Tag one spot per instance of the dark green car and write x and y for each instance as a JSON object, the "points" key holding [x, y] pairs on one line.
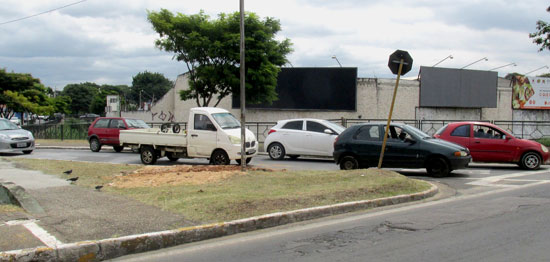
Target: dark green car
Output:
{"points": [[359, 146]]}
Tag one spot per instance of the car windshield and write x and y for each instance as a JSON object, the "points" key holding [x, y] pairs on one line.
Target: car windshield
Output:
{"points": [[417, 132], [226, 120], [7, 125], [136, 123], [441, 129], [336, 127]]}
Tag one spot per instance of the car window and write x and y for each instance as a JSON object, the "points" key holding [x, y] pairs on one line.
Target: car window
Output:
{"points": [[202, 122], [463, 131], [368, 132], [296, 125], [116, 123], [102, 123], [315, 127], [487, 132], [7, 125]]}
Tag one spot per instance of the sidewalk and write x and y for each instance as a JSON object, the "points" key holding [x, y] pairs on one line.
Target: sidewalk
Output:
{"points": [[74, 223]]}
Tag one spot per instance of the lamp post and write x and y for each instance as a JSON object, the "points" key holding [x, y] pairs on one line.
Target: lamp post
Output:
{"points": [[536, 69], [510, 64], [242, 87], [448, 57], [336, 58], [485, 58]]}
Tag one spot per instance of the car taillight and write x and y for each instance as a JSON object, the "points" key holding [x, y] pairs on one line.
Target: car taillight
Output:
{"points": [[271, 131]]}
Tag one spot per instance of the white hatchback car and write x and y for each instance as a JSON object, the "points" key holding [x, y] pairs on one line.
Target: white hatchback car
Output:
{"points": [[296, 137]]}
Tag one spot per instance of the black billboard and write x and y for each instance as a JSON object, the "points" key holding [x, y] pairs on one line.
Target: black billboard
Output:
{"points": [[313, 88]]}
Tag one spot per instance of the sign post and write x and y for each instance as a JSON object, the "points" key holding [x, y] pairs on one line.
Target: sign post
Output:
{"points": [[400, 63]]}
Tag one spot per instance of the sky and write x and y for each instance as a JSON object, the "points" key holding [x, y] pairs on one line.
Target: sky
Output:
{"points": [[109, 42]]}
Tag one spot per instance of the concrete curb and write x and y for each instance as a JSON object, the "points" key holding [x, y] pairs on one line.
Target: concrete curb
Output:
{"points": [[18, 196], [116, 247], [64, 147]]}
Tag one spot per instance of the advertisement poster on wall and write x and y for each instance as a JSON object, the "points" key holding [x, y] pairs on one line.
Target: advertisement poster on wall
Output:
{"points": [[531, 92]]}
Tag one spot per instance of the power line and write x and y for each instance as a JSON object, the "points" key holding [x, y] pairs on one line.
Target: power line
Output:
{"points": [[23, 18]]}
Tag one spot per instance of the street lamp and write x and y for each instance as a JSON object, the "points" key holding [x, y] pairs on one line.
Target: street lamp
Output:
{"points": [[510, 64], [448, 57], [336, 58], [536, 69], [485, 58]]}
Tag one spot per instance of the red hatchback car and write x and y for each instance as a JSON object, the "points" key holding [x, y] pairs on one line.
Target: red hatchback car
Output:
{"points": [[490, 143], [105, 131]]}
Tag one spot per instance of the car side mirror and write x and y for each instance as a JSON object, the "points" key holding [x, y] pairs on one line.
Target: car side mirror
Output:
{"points": [[328, 131]]}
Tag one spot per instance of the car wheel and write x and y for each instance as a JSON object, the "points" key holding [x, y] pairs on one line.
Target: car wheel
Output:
{"points": [[276, 151], [172, 157], [219, 157], [437, 167], [348, 163], [95, 146], [176, 128], [118, 148], [148, 155], [294, 157], [247, 160], [26, 152], [530, 161]]}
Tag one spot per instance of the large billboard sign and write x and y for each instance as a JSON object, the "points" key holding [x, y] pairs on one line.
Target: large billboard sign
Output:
{"points": [[531, 92]]}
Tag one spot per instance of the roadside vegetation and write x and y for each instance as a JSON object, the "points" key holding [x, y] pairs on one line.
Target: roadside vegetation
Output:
{"points": [[221, 193], [5, 208], [545, 141]]}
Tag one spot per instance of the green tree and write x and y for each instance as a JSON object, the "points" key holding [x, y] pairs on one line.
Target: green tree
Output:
{"points": [[542, 36], [149, 86], [81, 96], [211, 51], [22, 93]]}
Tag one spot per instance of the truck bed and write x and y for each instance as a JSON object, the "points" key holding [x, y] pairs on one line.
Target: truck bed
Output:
{"points": [[152, 136]]}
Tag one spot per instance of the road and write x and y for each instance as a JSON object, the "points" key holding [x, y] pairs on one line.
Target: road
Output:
{"points": [[509, 224]]}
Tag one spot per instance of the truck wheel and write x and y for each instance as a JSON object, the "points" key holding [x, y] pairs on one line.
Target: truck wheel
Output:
{"points": [[247, 160], [172, 157], [530, 161], [438, 167], [276, 151], [95, 146], [118, 148], [219, 157], [165, 127], [176, 128], [148, 155], [348, 163]]}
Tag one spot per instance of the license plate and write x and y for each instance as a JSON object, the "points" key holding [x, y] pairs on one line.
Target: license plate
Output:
{"points": [[21, 144]]}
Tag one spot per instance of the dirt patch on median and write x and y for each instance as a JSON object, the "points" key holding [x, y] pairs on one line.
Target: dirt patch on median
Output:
{"points": [[155, 176]]}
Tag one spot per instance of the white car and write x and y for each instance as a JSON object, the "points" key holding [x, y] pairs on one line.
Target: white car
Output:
{"points": [[296, 137], [14, 139]]}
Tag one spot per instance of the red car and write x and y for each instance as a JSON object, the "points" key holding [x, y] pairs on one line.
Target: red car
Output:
{"points": [[490, 143], [105, 131]]}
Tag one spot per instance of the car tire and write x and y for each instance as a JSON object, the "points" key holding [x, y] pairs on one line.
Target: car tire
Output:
{"points": [[293, 157], [171, 157], [26, 152], [348, 163], [437, 167], [247, 160], [219, 157], [530, 161], [118, 148], [176, 128], [276, 151], [148, 155], [95, 145]]}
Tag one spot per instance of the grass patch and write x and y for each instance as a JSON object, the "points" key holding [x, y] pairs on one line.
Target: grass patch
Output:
{"points": [[5, 208], [240, 195], [545, 141], [59, 142]]}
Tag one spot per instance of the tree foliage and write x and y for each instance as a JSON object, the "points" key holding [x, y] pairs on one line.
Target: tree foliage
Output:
{"points": [[211, 51], [149, 86], [91, 97], [542, 36], [23, 93]]}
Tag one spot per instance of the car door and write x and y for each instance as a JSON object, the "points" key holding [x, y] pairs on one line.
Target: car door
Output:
{"points": [[317, 142], [203, 136], [490, 145], [401, 149], [293, 137], [367, 143], [113, 131], [100, 129]]}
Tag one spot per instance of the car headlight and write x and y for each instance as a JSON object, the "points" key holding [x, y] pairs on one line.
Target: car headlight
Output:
{"points": [[460, 153], [544, 149], [235, 140], [30, 135], [2, 136]]}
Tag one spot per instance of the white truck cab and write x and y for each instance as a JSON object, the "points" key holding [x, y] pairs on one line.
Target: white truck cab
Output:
{"points": [[211, 133]]}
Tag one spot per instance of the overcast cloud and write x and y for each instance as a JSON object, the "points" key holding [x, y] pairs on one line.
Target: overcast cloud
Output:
{"points": [[108, 42]]}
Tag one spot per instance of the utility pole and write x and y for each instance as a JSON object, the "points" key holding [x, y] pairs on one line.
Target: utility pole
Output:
{"points": [[243, 121]]}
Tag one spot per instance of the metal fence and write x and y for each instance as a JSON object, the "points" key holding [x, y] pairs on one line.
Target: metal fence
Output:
{"points": [[522, 129]]}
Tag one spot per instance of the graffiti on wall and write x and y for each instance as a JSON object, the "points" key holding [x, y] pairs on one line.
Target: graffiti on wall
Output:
{"points": [[163, 116]]}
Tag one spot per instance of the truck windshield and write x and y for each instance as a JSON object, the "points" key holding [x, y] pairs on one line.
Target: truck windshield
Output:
{"points": [[226, 120]]}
